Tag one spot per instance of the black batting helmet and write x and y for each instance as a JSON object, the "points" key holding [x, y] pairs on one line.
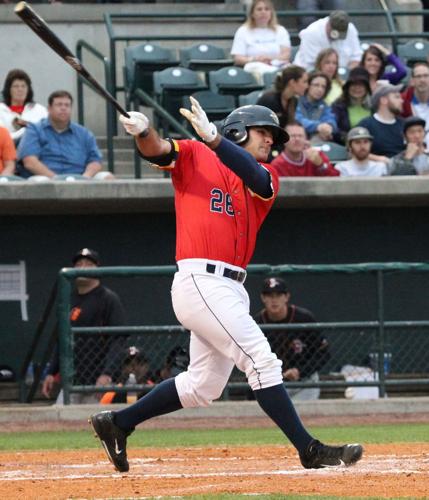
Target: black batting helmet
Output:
{"points": [[236, 124]]}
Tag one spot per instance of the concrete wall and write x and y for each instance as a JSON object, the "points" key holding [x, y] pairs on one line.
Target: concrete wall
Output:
{"points": [[132, 223]]}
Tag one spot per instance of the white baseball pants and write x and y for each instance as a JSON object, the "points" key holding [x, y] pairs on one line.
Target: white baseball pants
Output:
{"points": [[223, 334]]}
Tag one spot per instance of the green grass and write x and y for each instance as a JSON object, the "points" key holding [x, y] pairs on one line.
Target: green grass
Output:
{"points": [[60, 440]]}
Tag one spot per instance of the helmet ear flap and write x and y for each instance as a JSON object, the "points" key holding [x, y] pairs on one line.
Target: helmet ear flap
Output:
{"points": [[236, 132]]}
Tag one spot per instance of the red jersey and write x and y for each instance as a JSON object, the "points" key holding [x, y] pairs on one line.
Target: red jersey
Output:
{"points": [[305, 168], [217, 216]]}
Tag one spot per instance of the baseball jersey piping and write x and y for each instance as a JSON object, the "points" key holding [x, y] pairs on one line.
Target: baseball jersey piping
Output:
{"points": [[226, 331]]}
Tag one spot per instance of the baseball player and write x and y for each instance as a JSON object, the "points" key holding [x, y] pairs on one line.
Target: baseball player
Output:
{"points": [[223, 192]]}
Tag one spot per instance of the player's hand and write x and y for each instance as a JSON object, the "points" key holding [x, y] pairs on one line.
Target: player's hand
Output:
{"points": [[48, 384], [136, 124], [198, 118]]}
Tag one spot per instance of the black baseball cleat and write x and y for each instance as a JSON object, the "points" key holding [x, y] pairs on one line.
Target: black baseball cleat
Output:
{"points": [[113, 439], [320, 455]]}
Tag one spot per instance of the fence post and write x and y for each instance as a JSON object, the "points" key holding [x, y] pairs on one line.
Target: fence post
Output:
{"points": [[64, 335], [381, 332]]}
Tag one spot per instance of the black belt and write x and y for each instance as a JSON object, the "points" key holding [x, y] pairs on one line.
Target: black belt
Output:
{"points": [[239, 276]]}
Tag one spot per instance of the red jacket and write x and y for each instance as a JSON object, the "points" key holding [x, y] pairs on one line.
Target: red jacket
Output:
{"points": [[287, 168], [407, 96]]}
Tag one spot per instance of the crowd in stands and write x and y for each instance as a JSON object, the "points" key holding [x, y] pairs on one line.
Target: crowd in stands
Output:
{"points": [[331, 91], [42, 143]]}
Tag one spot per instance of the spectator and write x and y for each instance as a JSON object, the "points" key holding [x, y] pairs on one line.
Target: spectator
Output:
{"points": [[56, 145], [313, 112], [261, 45], [327, 62], [18, 108], [134, 364], [354, 105], [416, 96], [7, 153], [375, 59], [385, 125], [176, 362], [291, 83], [303, 352], [95, 356], [315, 5], [415, 159], [359, 142], [334, 31], [299, 160]]}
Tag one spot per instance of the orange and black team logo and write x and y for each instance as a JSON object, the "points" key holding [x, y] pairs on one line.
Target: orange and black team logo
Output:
{"points": [[75, 313]]}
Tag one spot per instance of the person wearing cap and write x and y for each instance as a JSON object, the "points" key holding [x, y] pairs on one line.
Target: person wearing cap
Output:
{"points": [[416, 96], [354, 105], [386, 124], [414, 160], [95, 356], [359, 142], [334, 31], [303, 352], [299, 159]]}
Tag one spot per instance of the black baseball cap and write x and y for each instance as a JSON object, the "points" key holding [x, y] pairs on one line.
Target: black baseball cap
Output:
{"points": [[274, 284], [413, 120], [87, 253]]}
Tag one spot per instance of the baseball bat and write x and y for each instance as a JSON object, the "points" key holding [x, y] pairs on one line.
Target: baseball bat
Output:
{"points": [[43, 31]]}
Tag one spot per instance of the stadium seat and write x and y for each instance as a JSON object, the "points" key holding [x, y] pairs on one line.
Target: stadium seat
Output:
{"points": [[343, 73], [10, 178], [217, 106], [232, 80], [251, 98], [204, 57], [140, 63], [171, 84], [268, 79], [335, 152], [413, 51]]}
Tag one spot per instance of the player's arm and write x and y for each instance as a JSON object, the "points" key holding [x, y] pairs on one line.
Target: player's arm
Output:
{"points": [[241, 162], [151, 146]]}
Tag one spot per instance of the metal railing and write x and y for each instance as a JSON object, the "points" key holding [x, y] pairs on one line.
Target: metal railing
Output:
{"points": [[66, 332], [110, 113]]}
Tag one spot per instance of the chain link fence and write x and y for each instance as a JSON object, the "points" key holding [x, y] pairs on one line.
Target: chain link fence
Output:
{"points": [[368, 357]]}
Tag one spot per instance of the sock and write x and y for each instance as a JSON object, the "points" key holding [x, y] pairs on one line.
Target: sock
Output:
{"points": [[160, 400], [276, 403]]}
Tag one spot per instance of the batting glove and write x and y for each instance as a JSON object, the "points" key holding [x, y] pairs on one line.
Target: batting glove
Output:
{"points": [[136, 124], [198, 118]]}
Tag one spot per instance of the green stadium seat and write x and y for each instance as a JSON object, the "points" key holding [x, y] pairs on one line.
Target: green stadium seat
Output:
{"points": [[413, 51], [268, 79], [141, 61], [232, 80], [251, 98], [335, 152], [217, 106], [204, 57], [171, 85]]}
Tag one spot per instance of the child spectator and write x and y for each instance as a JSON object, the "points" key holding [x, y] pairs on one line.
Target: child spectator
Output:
{"points": [[313, 112]]}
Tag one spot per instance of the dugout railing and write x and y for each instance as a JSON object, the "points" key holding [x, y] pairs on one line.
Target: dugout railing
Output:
{"points": [[378, 328]]}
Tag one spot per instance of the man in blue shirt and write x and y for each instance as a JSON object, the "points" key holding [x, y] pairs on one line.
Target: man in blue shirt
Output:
{"points": [[56, 145]]}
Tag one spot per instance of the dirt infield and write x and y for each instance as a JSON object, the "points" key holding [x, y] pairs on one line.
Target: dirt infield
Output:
{"points": [[400, 470]]}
